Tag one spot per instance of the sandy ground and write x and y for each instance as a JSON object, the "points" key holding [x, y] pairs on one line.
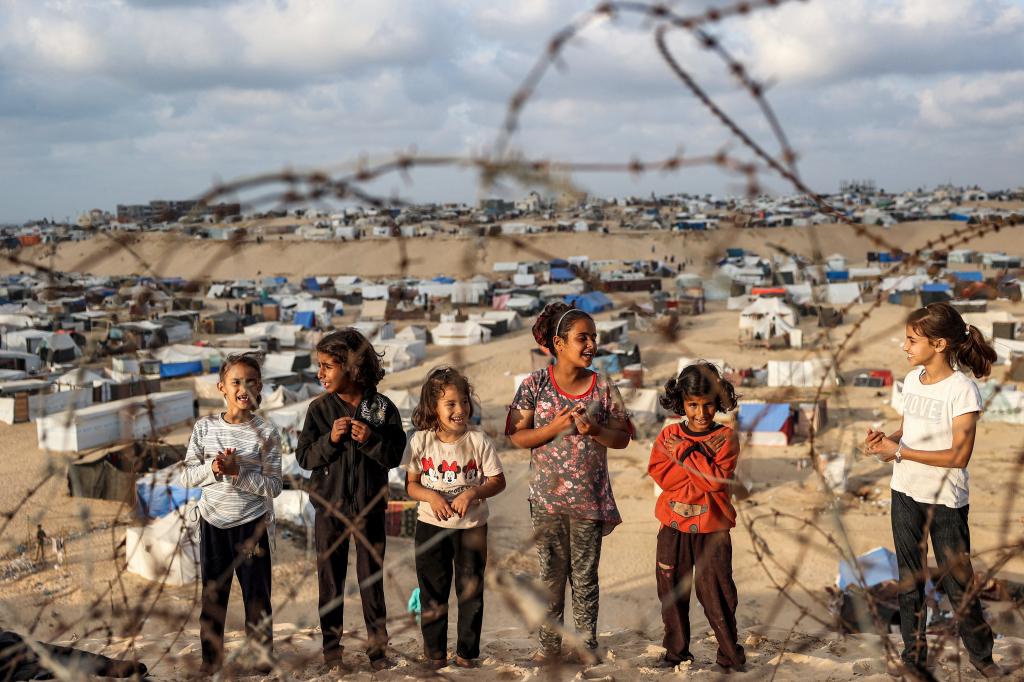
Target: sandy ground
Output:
{"points": [[782, 614]]}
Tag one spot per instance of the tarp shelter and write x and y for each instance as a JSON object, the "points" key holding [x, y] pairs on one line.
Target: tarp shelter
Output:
{"points": [[163, 551], [375, 311], [804, 373], [562, 275], [935, 292], [460, 334], [181, 360], [310, 284], [877, 566], [591, 302], [161, 492], [766, 423], [305, 319], [969, 276], [842, 293], [110, 473], [769, 318], [606, 364]]}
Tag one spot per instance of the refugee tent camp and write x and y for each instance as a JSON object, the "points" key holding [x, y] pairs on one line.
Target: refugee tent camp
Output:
{"points": [[163, 551], [460, 334], [769, 321]]}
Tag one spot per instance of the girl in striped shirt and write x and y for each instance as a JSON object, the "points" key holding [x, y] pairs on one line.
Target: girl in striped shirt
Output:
{"points": [[235, 457]]}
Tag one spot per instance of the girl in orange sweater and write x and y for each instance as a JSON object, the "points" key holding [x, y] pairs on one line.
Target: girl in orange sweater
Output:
{"points": [[693, 462]]}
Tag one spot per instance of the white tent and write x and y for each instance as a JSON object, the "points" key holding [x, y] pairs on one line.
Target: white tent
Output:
{"points": [[460, 334], [768, 318], [293, 507], [287, 335], [163, 551], [805, 373], [642, 405], [842, 293], [399, 355]]}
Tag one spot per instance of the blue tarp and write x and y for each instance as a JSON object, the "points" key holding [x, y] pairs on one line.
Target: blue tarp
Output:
{"points": [[558, 263], [160, 500], [606, 364], [969, 276], [962, 217], [734, 253], [169, 370], [442, 279], [769, 417], [310, 284], [877, 565], [561, 275], [837, 275], [935, 287], [305, 318], [886, 257], [591, 302]]}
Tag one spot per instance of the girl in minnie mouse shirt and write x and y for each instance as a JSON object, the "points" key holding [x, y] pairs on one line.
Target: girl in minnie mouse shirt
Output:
{"points": [[452, 469]]}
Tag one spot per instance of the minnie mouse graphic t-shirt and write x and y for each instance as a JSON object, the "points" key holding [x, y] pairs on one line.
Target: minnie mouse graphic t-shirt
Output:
{"points": [[450, 469]]}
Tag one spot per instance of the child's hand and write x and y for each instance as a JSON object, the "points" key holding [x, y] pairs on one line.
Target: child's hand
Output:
{"points": [[360, 431], [672, 441], [442, 510], [882, 448], [225, 463], [340, 427], [462, 503], [584, 426], [563, 420]]}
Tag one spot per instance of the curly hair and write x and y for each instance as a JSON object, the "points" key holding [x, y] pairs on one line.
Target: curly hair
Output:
{"points": [[965, 344], [699, 379], [352, 351], [555, 321], [424, 417]]}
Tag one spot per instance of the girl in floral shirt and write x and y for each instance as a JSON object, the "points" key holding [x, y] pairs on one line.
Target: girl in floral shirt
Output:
{"points": [[568, 416]]}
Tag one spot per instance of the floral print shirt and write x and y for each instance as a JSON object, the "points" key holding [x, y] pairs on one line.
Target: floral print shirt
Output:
{"points": [[569, 475]]}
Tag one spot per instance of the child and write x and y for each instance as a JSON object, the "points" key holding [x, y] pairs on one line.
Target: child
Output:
{"points": [[452, 470], [352, 436], [931, 449], [568, 416], [693, 463], [235, 457]]}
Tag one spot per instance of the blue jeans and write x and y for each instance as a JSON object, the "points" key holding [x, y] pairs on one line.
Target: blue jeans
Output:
{"points": [[951, 542]]}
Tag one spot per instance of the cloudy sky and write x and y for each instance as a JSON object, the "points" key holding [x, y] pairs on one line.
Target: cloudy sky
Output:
{"points": [[123, 101]]}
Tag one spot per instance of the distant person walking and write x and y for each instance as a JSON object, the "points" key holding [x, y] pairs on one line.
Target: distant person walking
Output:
{"points": [[930, 451], [40, 544]]}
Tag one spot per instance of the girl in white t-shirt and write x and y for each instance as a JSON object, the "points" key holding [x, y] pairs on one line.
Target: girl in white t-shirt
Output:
{"points": [[451, 469], [930, 451]]}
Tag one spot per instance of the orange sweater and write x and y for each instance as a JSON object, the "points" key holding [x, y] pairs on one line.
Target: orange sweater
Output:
{"points": [[696, 479]]}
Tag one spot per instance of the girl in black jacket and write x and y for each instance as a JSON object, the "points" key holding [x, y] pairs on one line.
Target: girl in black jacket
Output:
{"points": [[352, 436]]}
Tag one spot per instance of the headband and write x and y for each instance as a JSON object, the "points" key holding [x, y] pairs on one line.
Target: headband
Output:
{"points": [[558, 325]]}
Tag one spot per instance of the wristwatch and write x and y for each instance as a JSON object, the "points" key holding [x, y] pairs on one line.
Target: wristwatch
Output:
{"points": [[899, 449]]}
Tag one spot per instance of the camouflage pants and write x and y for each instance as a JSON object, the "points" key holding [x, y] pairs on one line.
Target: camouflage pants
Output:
{"points": [[569, 551]]}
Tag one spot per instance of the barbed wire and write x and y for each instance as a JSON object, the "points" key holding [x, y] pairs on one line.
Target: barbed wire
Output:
{"points": [[120, 612]]}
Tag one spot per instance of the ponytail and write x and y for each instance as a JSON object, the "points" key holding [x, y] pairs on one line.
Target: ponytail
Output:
{"points": [[975, 352]]}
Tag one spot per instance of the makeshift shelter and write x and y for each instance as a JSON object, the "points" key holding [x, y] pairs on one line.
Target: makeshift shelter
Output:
{"points": [[163, 551], [460, 334], [108, 423], [770, 322], [224, 322], [376, 311], [805, 373], [642, 406], [32, 399], [843, 293], [51, 347], [592, 302], [766, 423], [612, 331], [18, 361], [935, 292], [160, 492], [110, 473]]}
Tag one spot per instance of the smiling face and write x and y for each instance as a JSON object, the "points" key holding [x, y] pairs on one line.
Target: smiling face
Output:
{"points": [[578, 344], [453, 409], [241, 388], [700, 411], [332, 374], [919, 349]]}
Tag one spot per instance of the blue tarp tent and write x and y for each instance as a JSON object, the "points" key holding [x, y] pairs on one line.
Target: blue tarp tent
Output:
{"points": [[877, 565], [961, 217], [156, 500], [886, 257], [763, 416], [558, 263], [305, 318], [935, 287], [169, 370], [441, 279], [837, 275], [310, 284], [561, 275], [606, 364], [969, 276], [591, 302], [734, 253]]}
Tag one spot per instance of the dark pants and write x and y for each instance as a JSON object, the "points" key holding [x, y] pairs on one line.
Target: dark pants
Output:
{"points": [[441, 554], [332, 568], [703, 560], [951, 542], [569, 549], [243, 551]]}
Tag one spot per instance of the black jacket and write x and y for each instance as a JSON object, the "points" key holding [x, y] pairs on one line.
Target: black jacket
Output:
{"points": [[348, 476]]}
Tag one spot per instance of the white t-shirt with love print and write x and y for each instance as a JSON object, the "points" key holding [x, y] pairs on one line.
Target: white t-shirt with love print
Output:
{"points": [[451, 468], [928, 413]]}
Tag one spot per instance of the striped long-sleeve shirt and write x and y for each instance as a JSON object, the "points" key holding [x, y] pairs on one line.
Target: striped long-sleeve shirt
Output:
{"points": [[230, 501]]}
